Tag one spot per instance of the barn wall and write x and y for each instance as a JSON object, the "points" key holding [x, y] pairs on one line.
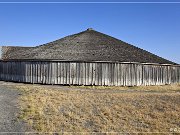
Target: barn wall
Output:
{"points": [[89, 73]]}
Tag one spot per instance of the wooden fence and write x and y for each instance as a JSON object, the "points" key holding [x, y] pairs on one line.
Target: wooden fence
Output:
{"points": [[89, 73]]}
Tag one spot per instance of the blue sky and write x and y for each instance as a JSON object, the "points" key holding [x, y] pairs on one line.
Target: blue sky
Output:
{"points": [[153, 27]]}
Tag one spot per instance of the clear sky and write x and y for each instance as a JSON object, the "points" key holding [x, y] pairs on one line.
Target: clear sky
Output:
{"points": [[152, 27]]}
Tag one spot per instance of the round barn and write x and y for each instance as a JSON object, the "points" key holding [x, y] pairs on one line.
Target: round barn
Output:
{"points": [[86, 58]]}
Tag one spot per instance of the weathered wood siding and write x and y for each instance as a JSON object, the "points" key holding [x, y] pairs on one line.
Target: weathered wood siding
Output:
{"points": [[89, 73]]}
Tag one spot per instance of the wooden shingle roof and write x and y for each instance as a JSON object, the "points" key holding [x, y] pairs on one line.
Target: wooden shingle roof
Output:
{"points": [[88, 45]]}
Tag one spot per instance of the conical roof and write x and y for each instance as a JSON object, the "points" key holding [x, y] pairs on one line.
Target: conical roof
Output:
{"points": [[88, 45]]}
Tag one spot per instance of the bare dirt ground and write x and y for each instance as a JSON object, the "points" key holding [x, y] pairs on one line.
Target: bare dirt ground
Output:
{"points": [[9, 124]]}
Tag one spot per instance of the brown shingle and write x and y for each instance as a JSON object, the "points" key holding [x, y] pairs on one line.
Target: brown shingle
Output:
{"points": [[88, 45]]}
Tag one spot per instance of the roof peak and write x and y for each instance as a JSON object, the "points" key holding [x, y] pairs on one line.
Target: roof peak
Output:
{"points": [[89, 29]]}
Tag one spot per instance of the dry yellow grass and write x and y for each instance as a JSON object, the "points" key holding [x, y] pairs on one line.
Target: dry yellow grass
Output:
{"points": [[163, 88], [57, 110]]}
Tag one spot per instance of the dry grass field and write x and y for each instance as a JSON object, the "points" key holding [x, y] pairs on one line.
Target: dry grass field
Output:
{"points": [[101, 109]]}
